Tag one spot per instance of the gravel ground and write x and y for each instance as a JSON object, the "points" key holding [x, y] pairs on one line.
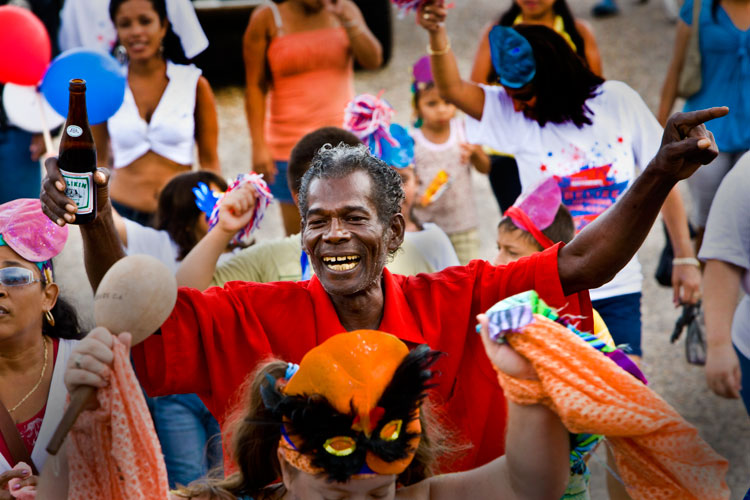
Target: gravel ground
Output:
{"points": [[636, 48]]}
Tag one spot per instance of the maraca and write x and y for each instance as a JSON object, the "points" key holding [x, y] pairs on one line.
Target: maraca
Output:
{"points": [[136, 295]]}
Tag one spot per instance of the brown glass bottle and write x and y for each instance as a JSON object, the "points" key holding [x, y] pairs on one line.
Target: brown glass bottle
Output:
{"points": [[77, 157]]}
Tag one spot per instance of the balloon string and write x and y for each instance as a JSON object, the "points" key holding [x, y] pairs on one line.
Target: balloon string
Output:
{"points": [[45, 129]]}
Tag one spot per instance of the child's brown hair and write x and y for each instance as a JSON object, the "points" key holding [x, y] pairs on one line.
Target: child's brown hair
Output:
{"points": [[562, 228]]}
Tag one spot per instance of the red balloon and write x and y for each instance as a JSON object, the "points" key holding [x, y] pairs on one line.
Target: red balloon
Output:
{"points": [[25, 49]]}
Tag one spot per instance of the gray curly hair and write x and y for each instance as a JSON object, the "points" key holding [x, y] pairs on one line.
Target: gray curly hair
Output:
{"points": [[335, 162]]}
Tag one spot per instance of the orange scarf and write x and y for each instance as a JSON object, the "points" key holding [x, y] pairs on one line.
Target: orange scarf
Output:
{"points": [[114, 451], [658, 454]]}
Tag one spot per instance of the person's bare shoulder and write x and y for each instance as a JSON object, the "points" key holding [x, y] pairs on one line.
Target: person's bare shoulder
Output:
{"points": [[262, 22], [584, 28]]}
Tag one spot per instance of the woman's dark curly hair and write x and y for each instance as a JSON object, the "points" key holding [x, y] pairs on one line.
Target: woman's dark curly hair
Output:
{"points": [[563, 82], [67, 324], [172, 46], [177, 213], [339, 161]]}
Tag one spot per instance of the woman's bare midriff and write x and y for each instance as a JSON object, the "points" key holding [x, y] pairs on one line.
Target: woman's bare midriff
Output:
{"points": [[138, 185]]}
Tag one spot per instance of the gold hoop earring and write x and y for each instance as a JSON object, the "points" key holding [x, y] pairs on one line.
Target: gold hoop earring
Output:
{"points": [[50, 319]]}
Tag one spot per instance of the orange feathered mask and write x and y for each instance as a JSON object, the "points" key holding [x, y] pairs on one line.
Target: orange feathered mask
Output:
{"points": [[352, 408]]}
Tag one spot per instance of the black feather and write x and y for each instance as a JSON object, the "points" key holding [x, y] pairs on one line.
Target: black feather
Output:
{"points": [[401, 399]]}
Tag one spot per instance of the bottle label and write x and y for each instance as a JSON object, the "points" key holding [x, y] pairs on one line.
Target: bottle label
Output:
{"points": [[79, 187], [74, 130]]}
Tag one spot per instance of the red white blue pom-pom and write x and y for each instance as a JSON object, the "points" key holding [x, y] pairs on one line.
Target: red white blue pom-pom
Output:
{"points": [[243, 237], [369, 118]]}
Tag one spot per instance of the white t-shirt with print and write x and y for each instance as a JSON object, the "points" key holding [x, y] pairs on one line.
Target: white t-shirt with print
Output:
{"points": [[594, 164]]}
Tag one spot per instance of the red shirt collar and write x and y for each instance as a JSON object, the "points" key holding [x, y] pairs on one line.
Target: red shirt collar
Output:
{"points": [[397, 317]]}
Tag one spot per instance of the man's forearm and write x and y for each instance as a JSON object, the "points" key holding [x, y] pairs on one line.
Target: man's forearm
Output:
{"points": [[101, 247], [606, 245], [537, 452], [198, 267]]}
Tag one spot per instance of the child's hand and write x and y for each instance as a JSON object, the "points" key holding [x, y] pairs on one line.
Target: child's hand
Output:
{"points": [[237, 208], [474, 154], [503, 356], [467, 151], [340, 9]]}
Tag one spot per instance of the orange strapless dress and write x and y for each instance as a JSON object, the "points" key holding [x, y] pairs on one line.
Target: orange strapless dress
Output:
{"points": [[312, 81]]}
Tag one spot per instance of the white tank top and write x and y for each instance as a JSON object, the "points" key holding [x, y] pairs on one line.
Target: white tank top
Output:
{"points": [[171, 131]]}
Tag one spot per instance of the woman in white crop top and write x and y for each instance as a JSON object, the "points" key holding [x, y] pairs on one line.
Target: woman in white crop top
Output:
{"points": [[168, 108]]}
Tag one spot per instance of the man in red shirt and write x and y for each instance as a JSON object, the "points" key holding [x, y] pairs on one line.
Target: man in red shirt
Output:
{"points": [[349, 202]]}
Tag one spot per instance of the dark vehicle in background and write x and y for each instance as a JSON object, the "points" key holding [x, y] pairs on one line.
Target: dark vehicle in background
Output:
{"points": [[224, 22]]}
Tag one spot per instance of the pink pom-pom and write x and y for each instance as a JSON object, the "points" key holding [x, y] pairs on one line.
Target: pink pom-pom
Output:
{"points": [[369, 118], [405, 6]]}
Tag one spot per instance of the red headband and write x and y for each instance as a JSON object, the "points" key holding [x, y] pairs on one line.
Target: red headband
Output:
{"points": [[524, 222]]}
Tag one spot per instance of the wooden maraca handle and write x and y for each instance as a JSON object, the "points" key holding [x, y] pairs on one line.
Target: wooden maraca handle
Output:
{"points": [[136, 295], [78, 401]]}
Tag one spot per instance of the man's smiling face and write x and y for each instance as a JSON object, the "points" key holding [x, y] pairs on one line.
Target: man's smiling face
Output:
{"points": [[347, 242]]}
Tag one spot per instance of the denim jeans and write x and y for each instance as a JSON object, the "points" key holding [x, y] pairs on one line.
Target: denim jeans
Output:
{"points": [[189, 435], [20, 177]]}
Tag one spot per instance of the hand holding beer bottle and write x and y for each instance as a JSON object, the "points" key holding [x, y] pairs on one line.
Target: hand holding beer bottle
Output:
{"points": [[74, 191], [77, 160]]}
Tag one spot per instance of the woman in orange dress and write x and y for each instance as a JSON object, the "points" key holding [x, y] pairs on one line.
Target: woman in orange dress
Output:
{"points": [[299, 71]]}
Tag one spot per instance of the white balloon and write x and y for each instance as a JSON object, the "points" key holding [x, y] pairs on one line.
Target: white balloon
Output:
{"points": [[22, 108]]}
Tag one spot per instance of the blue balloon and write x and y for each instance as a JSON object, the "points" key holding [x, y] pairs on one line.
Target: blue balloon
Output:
{"points": [[105, 82]]}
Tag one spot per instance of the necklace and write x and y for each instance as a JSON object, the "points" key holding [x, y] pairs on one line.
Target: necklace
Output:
{"points": [[38, 382]]}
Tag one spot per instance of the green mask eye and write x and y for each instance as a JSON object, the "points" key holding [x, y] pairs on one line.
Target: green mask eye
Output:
{"points": [[391, 431], [340, 446]]}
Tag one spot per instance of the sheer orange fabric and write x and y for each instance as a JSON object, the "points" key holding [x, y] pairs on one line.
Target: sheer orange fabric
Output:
{"points": [[114, 451], [658, 454]]}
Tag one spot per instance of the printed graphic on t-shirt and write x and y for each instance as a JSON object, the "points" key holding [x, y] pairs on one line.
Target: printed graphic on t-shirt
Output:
{"points": [[589, 192]]}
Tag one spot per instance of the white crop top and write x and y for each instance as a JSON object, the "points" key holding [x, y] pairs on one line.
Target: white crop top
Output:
{"points": [[171, 131]]}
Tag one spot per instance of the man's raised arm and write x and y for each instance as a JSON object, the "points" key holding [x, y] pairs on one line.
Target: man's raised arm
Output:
{"points": [[101, 244], [606, 245]]}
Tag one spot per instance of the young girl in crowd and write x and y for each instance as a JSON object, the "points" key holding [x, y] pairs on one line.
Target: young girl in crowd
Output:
{"points": [[168, 108], [441, 154], [426, 248], [554, 14], [361, 430]]}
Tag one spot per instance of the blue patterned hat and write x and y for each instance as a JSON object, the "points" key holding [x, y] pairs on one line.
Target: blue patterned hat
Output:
{"points": [[512, 57]]}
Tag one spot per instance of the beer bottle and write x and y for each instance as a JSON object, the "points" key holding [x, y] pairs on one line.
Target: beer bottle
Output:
{"points": [[77, 157]]}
